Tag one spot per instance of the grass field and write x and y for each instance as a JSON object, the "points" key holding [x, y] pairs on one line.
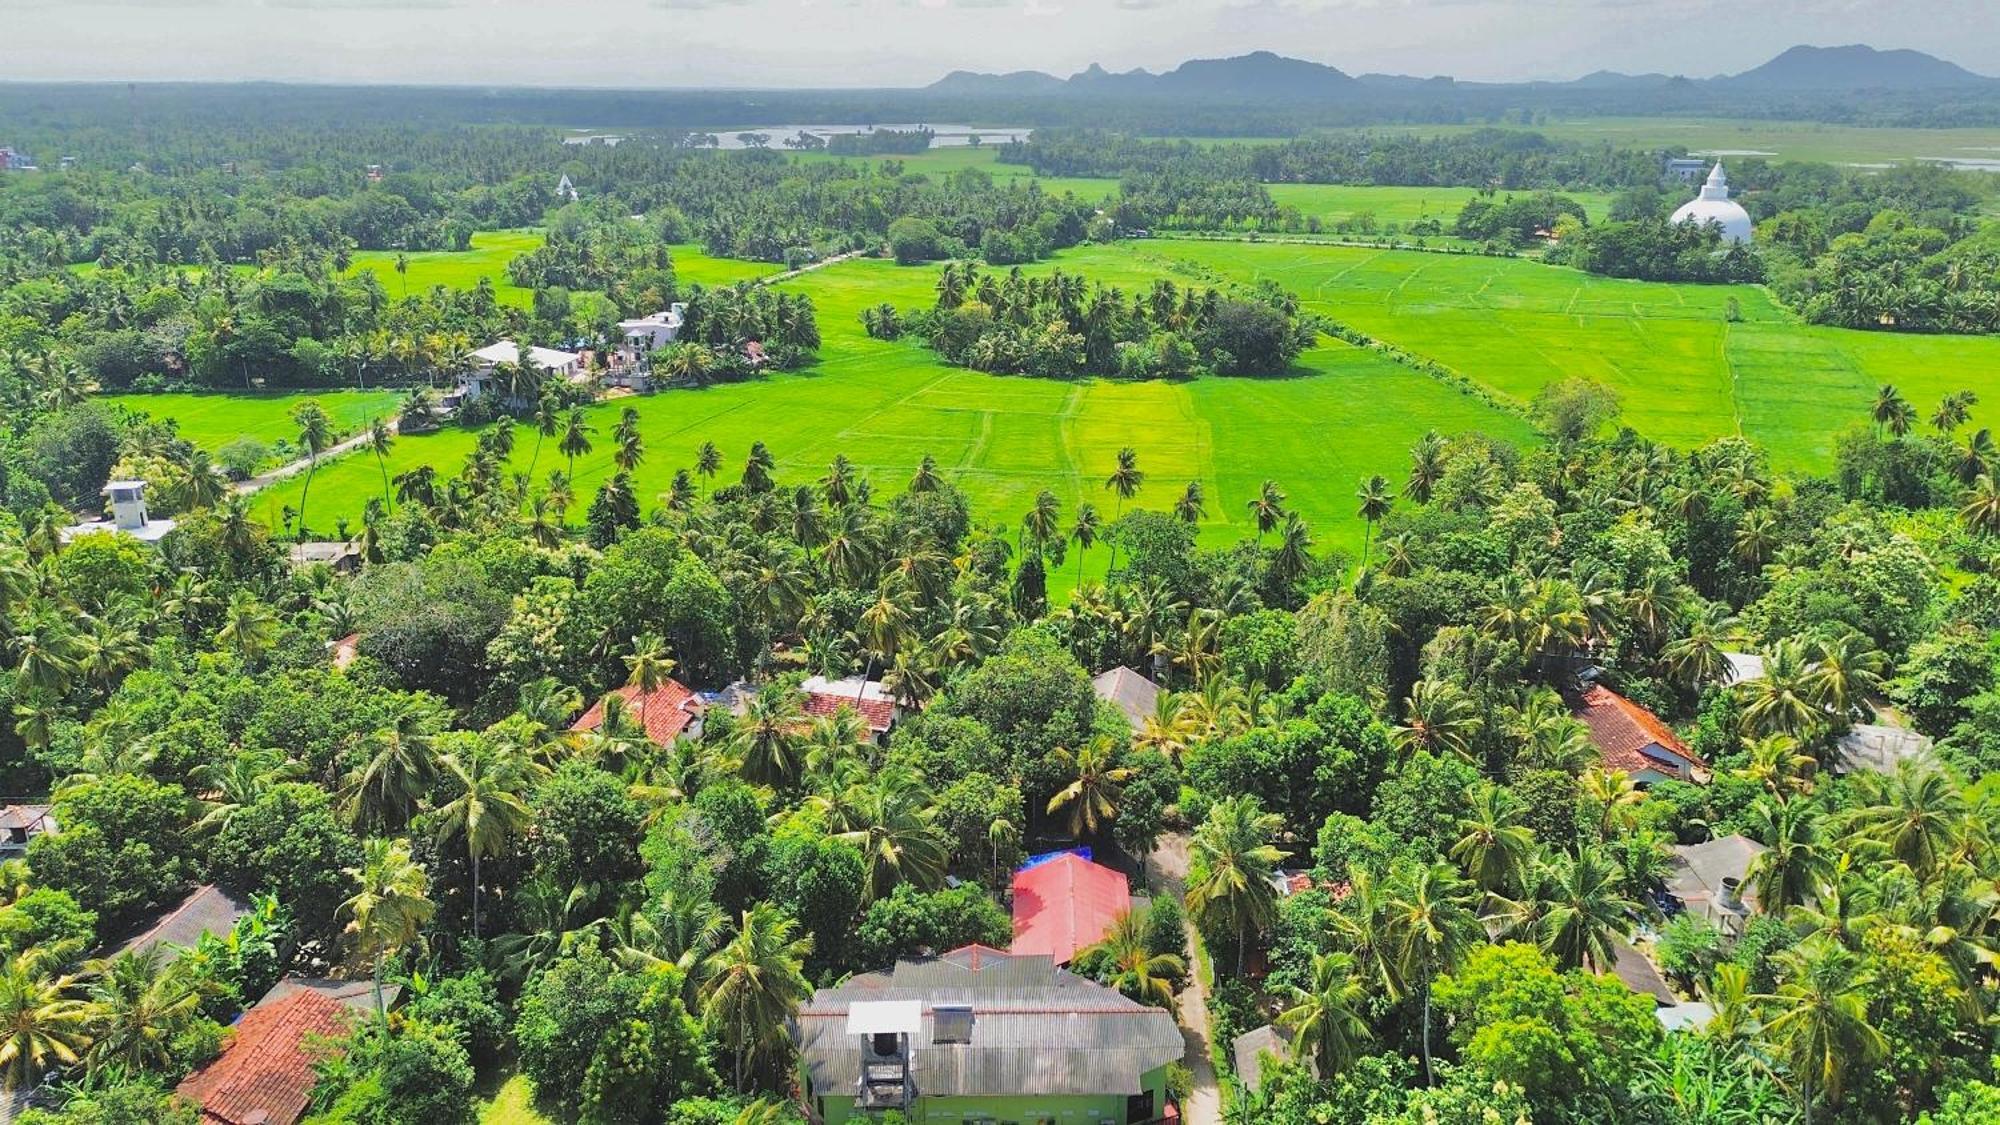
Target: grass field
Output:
{"points": [[214, 420], [1685, 373], [1405, 205], [1344, 414]]}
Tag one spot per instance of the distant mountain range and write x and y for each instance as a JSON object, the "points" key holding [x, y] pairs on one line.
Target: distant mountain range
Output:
{"points": [[1267, 77]]}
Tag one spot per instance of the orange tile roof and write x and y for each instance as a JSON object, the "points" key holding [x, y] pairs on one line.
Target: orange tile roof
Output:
{"points": [[879, 714], [266, 1073], [669, 710], [1622, 730]]}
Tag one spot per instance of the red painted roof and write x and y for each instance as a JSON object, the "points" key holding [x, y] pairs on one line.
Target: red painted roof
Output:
{"points": [[268, 1066], [1622, 730], [668, 710], [1065, 905], [879, 714]]}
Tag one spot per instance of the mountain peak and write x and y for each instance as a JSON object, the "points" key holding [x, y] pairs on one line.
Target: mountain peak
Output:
{"points": [[1856, 66]]}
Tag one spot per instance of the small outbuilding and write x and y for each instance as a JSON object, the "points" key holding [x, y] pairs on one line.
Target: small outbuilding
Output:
{"points": [[1876, 747], [1710, 879]]}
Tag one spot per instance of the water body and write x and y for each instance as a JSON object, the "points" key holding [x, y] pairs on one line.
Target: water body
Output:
{"points": [[946, 136]]}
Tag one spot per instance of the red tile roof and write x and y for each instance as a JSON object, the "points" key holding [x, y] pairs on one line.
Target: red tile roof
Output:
{"points": [[879, 714], [669, 710], [1622, 730], [266, 1073], [1065, 905]]}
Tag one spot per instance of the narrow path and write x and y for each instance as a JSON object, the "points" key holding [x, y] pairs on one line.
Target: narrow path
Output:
{"points": [[294, 468], [811, 266], [1167, 869]]}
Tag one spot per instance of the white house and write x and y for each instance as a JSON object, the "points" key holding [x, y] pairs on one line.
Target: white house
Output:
{"points": [[485, 373], [639, 338], [128, 515]]}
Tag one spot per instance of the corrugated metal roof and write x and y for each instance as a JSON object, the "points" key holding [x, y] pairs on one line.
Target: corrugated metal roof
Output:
{"points": [[1036, 1029]]}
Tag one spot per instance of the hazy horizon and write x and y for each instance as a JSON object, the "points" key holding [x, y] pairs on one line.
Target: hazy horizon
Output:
{"points": [[831, 44]]}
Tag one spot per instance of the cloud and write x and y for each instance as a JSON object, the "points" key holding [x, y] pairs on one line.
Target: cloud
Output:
{"points": [[1142, 5]]}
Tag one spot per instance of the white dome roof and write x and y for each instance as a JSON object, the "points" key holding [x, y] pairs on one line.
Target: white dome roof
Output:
{"points": [[1713, 205]]}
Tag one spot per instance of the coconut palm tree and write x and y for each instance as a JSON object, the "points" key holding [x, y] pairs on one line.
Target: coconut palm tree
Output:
{"points": [[1439, 717], [892, 821], [648, 669], [1583, 909], [1042, 520], [1428, 927], [1083, 532], [489, 811], [1426, 467], [631, 445], [575, 439], [1124, 482], [755, 984], [1192, 506], [249, 627], [400, 762], [1134, 969], [42, 1025], [769, 740], [1796, 865], [139, 1003], [547, 421], [381, 435], [1981, 511], [1892, 411], [1325, 1016], [1783, 699], [1092, 798], [1267, 508], [1614, 795], [1376, 500], [1917, 815], [315, 434], [391, 903], [1844, 670], [1816, 1022], [1696, 656], [1231, 858], [708, 461], [1292, 556], [1494, 848]]}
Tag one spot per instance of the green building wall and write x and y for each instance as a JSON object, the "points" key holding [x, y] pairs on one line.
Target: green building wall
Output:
{"points": [[1010, 1109]]}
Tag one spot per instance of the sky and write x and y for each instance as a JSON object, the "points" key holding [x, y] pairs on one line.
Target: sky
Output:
{"points": [[863, 43]]}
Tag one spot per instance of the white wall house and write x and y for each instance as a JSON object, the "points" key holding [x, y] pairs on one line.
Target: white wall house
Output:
{"points": [[127, 502], [639, 338], [486, 371]]}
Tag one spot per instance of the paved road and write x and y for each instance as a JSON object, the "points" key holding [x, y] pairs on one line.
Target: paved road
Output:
{"points": [[1168, 866], [265, 479]]}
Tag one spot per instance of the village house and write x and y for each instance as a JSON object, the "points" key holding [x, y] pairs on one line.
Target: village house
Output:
{"points": [[667, 712], [868, 699], [487, 369], [265, 1075], [1065, 905], [207, 909], [631, 362], [20, 824], [1630, 738], [1710, 879], [1877, 747], [1133, 694], [979, 1035]]}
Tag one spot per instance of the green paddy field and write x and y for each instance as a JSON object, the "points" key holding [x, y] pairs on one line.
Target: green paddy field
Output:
{"points": [[1686, 373]]}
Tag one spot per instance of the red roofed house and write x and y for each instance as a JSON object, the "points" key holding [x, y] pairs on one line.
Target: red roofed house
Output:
{"points": [[1628, 737], [1066, 905], [671, 710], [265, 1075], [868, 699]]}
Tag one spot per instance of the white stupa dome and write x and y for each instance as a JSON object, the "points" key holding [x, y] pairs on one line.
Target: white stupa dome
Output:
{"points": [[1713, 205]]}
